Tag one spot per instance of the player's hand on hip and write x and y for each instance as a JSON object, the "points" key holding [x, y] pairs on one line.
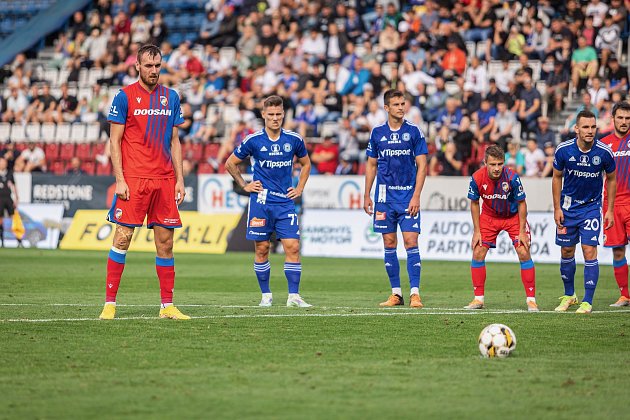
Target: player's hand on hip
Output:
{"points": [[254, 186], [476, 240], [122, 190], [414, 207], [294, 193], [180, 192], [558, 217], [368, 205], [609, 220]]}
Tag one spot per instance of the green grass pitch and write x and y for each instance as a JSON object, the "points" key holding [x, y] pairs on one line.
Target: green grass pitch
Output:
{"points": [[343, 358]]}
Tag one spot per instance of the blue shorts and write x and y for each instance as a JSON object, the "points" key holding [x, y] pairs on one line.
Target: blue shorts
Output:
{"points": [[585, 229], [264, 219], [387, 217]]}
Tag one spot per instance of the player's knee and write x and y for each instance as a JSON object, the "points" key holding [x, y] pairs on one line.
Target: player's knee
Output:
{"points": [[567, 252], [619, 253], [411, 243]]}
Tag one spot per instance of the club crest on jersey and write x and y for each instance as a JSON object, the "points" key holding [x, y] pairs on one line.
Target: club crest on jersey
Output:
{"points": [[118, 214], [406, 137], [275, 150], [505, 186], [627, 144], [163, 100], [596, 160], [287, 147]]}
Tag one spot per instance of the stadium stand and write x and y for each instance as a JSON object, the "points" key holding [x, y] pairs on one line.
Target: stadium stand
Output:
{"points": [[330, 61]]}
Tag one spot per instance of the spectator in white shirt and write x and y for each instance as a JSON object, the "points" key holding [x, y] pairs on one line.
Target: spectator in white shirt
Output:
{"points": [[33, 158], [599, 94], [534, 157], [16, 106], [598, 10], [477, 76], [607, 40], [504, 77], [314, 46]]}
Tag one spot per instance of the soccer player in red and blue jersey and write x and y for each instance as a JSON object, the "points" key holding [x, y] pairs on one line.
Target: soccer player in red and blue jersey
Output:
{"points": [[617, 236], [504, 208], [147, 163]]}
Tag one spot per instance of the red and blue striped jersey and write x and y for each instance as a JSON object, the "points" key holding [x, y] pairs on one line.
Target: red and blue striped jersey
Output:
{"points": [[621, 152], [501, 196], [149, 118]]}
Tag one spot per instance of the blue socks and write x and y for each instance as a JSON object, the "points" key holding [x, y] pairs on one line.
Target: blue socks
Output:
{"points": [[293, 271], [263, 271], [414, 266], [567, 271], [591, 275], [392, 267]]}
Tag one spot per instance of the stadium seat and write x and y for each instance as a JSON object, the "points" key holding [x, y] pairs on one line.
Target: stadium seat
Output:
{"points": [[33, 131], [84, 151], [48, 132], [88, 166], [99, 148], [195, 152], [77, 132], [63, 132], [104, 169], [5, 131], [93, 132], [18, 132], [57, 167], [205, 168], [66, 151], [51, 150], [211, 150]]}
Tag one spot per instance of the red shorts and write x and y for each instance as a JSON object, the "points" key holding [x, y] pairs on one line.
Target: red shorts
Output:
{"points": [[617, 236], [150, 198], [491, 227]]}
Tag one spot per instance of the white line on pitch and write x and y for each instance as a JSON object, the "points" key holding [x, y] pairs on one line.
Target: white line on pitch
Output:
{"points": [[302, 315]]}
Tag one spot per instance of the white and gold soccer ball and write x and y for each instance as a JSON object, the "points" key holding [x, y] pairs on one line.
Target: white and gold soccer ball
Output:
{"points": [[497, 340]]}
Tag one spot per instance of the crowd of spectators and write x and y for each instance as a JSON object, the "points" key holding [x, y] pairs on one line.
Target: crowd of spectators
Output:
{"points": [[331, 63]]}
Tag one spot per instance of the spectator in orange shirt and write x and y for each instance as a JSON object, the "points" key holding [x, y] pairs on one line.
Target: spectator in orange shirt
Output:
{"points": [[454, 61]]}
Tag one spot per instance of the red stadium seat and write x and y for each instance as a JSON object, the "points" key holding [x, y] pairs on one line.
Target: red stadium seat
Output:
{"points": [[99, 148], [211, 150], [205, 168], [52, 151], [84, 151], [88, 167], [104, 169], [67, 151], [58, 167], [195, 152]]}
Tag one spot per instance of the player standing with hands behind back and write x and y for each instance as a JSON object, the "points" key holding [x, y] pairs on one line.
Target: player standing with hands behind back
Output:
{"points": [[147, 163], [271, 197], [617, 236], [578, 167], [397, 159]]}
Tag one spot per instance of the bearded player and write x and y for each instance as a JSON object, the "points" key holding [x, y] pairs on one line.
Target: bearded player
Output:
{"points": [[503, 208], [147, 163], [617, 236]]}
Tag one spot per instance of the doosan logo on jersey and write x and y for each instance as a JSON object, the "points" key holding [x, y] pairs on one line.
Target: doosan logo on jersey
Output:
{"points": [[395, 152], [152, 112], [622, 153], [272, 164], [494, 196]]}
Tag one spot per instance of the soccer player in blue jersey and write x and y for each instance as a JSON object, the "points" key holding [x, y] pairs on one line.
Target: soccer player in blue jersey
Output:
{"points": [[397, 159], [271, 197], [578, 168]]}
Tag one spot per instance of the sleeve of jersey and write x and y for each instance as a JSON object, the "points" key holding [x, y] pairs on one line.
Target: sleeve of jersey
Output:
{"points": [[300, 149], [118, 110], [243, 151], [177, 110], [517, 187], [420, 148], [609, 163], [371, 147], [473, 190], [558, 161]]}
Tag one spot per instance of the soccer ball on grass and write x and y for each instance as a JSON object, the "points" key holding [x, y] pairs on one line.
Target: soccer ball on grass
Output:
{"points": [[497, 340]]}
